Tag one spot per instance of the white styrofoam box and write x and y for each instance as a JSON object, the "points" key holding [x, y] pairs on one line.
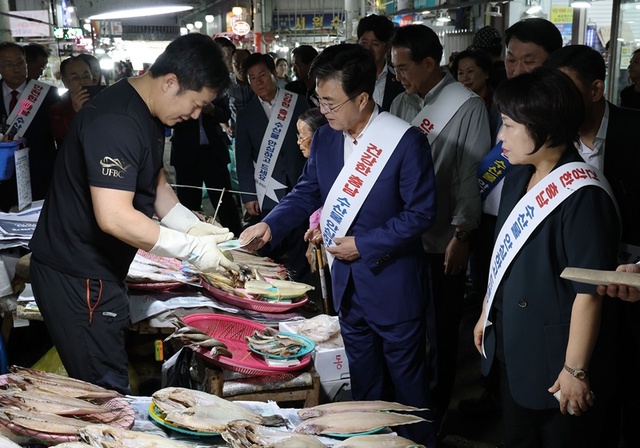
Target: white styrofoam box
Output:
{"points": [[335, 390], [331, 364]]}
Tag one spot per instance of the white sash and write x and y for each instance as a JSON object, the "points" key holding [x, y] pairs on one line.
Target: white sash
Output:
{"points": [[358, 176], [272, 143], [433, 118], [27, 107], [529, 213]]}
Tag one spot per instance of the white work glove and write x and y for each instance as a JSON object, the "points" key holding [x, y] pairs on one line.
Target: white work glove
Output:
{"points": [[200, 251], [184, 220]]}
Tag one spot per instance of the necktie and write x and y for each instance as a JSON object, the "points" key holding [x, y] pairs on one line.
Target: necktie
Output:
{"points": [[13, 101]]}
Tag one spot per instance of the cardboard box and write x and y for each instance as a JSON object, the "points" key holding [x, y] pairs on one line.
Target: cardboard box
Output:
{"points": [[331, 364]]}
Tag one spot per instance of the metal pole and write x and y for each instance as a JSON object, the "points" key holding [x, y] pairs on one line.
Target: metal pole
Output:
{"points": [[5, 27]]}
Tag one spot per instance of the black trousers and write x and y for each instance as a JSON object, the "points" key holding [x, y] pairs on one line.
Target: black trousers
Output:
{"points": [[447, 293], [205, 167], [87, 320], [549, 428]]}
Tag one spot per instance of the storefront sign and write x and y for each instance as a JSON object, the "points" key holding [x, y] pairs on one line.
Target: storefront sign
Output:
{"points": [[28, 28], [307, 21], [241, 28]]}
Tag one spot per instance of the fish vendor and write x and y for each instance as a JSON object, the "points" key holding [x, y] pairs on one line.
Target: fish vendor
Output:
{"points": [[373, 175], [108, 182]]}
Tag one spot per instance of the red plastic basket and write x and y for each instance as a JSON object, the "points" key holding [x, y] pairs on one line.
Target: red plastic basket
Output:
{"points": [[251, 304], [232, 331]]}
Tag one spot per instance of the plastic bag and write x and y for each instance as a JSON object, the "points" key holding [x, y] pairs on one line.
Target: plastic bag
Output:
{"points": [[320, 328], [183, 369]]}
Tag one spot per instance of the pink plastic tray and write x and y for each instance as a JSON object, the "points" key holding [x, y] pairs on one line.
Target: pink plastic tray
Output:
{"points": [[232, 331], [250, 304], [154, 286]]}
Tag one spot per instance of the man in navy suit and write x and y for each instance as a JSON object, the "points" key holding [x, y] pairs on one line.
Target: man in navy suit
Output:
{"points": [[255, 126], [374, 174], [42, 154]]}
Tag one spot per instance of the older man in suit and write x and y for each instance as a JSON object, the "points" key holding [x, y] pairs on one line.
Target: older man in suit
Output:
{"points": [[268, 159], [374, 174], [13, 69]]}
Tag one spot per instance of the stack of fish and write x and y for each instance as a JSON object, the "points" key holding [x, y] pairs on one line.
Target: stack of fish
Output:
{"points": [[37, 403], [353, 417], [195, 337], [199, 411], [243, 434], [146, 269], [271, 343]]}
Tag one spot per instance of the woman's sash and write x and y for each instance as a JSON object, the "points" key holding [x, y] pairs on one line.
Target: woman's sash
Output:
{"points": [[271, 145], [532, 209], [358, 176]]}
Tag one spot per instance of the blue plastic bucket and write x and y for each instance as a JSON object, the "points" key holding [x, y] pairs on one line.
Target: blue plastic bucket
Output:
{"points": [[7, 159]]}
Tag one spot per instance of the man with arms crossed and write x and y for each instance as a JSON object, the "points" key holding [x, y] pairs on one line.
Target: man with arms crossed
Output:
{"points": [[374, 175]]}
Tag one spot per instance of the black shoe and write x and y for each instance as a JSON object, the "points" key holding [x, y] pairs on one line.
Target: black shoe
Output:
{"points": [[488, 402]]}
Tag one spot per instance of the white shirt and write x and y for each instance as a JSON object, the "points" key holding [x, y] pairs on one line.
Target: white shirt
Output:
{"points": [[6, 94], [595, 156], [349, 143], [381, 82], [268, 107]]}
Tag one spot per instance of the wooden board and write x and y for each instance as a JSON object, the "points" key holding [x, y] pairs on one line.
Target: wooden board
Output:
{"points": [[596, 277]]}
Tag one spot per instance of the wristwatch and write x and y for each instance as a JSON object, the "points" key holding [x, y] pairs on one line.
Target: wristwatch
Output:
{"points": [[462, 235], [576, 373]]}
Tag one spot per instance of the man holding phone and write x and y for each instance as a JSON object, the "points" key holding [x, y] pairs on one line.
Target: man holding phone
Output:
{"points": [[76, 77]]}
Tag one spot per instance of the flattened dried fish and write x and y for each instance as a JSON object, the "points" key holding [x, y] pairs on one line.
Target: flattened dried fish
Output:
{"points": [[171, 398], [385, 440], [42, 422], [354, 422], [242, 434], [215, 419], [38, 377], [358, 406], [51, 403], [103, 436]]}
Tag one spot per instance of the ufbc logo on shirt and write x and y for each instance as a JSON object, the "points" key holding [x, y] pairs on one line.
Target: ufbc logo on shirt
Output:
{"points": [[113, 167]]}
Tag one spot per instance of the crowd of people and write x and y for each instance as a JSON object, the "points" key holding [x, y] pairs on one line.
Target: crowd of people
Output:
{"points": [[412, 175]]}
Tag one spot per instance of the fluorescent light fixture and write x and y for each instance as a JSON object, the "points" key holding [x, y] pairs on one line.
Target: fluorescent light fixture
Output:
{"points": [[189, 26], [183, 30], [535, 9], [581, 4], [443, 16], [197, 24], [140, 12], [493, 10], [208, 18]]}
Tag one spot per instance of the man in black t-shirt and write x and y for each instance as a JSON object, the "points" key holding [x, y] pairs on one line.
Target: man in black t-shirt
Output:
{"points": [[107, 184]]}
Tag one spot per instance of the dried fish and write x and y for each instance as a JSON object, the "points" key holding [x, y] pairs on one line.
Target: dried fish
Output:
{"points": [[43, 422], [354, 422], [386, 440], [104, 436], [359, 406], [72, 445], [242, 434], [39, 401], [270, 342], [65, 384]]}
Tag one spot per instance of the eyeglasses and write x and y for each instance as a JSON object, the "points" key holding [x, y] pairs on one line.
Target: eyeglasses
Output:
{"points": [[330, 109], [13, 65], [76, 78], [402, 71]]}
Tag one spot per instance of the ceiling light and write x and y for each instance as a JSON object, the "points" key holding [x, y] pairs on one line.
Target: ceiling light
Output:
{"points": [[197, 24], [581, 4], [236, 10], [189, 26], [443, 16], [208, 18], [535, 9], [140, 12], [493, 10]]}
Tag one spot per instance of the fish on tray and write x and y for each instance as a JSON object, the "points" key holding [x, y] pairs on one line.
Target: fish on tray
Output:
{"points": [[43, 422], [243, 434], [354, 422], [100, 436], [359, 406], [40, 401], [385, 440]]}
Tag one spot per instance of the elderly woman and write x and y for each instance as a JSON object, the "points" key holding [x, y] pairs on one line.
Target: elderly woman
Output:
{"points": [[548, 335], [307, 124]]}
